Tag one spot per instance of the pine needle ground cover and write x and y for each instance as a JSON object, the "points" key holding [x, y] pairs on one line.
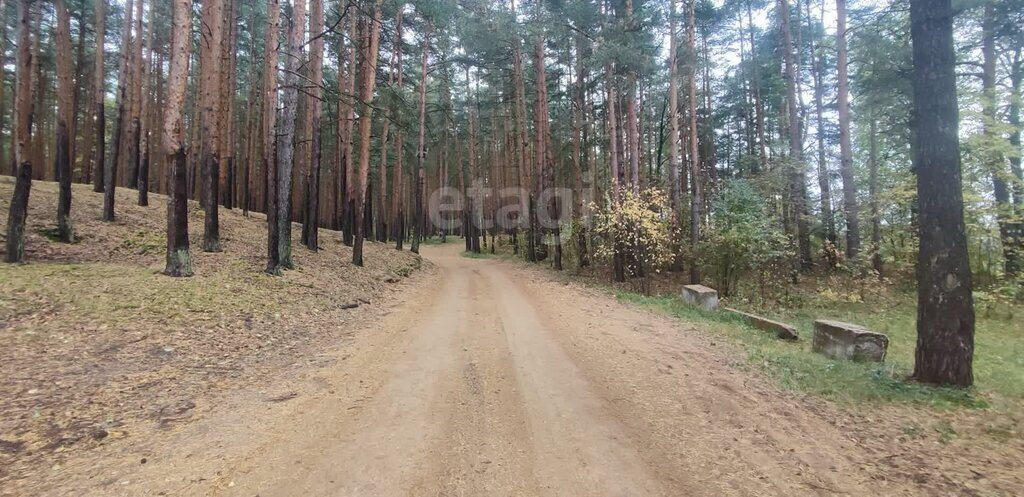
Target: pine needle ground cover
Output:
{"points": [[96, 344]]}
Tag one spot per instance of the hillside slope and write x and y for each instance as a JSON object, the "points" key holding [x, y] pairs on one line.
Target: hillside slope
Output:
{"points": [[97, 345]]}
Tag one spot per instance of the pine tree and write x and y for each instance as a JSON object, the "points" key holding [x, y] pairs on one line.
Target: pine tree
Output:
{"points": [[99, 108], [421, 149], [22, 134], [692, 133], [311, 220], [65, 118], [209, 89], [945, 305], [270, 142], [179, 263], [845, 147], [370, 51]]}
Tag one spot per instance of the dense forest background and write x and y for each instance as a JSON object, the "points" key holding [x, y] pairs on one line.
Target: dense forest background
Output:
{"points": [[739, 143]]}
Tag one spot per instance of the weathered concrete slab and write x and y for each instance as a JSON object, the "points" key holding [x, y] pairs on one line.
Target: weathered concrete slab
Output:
{"points": [[701, 296], [780, 329], [847, 341]]}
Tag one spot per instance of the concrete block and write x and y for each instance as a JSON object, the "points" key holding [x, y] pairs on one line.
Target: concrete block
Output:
{"points": [[847, 341]]}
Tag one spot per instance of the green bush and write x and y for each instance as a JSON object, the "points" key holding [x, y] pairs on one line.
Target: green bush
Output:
{"points": [[742, 239]]}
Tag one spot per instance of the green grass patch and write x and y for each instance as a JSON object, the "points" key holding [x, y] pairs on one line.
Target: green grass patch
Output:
{"points": [[52, 234], [795, 367], [144, 242], [482, 255], [998, 340], [115, 294]]}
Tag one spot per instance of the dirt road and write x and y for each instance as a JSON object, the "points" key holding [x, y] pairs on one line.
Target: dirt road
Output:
{"points": [[496, 381]]}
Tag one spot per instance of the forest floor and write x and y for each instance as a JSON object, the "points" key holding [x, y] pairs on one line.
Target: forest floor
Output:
{"points": [[98, 349], [475, 376]]}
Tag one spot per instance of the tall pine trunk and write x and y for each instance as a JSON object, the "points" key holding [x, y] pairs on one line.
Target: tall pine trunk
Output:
{"points": [[99, 109], [113, 166], [945, 306], [798, 183], [876, 216], [135, 99], [311, 220], [475, 209], [346, 136], [673, 116], [227, 182], [579, 231], [209, 89], [615, 171], [695, 175], [65, 119], [270, 134], [179, 262], [421, 148], [286, 134], [522, 145], [22, 134], [398, 199], [145, 129], [1016, 239], [845, 147], [824, 185], [370, 45]]}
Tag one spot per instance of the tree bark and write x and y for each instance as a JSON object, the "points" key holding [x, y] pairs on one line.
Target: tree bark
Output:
{"points": [[673, 115], [798, 183], [876, 216], [347, 125], [421, 147], [370, 49], [209, 89], [540, 138], [311, 220], [270, 134], [845, 147], [1016, 238], [618, 264], [818, 67], [99, 109], [398, 199], [632, 120], [111, 168], [945, 306], [65, 118], [227, 182], [579, 230], [286, 134], [146, 121], [22, 133], [522, 143], [695, 176], [475, 209], [178, 261], [137, 74]]}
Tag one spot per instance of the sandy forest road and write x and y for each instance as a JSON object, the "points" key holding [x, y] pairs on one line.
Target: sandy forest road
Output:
{"points": [[496, 381]]}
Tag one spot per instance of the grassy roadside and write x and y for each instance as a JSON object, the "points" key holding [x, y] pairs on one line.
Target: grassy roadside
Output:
{"points": [[999, 346], [794, 366]]}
